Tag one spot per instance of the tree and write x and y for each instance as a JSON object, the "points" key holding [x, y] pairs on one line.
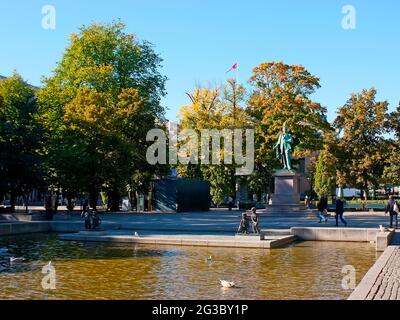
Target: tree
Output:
{"points": [[325, 174], [326, 166], [281, 93], [391, 173], [215, 108], [20, 139], [97, 107], [362, 121]]}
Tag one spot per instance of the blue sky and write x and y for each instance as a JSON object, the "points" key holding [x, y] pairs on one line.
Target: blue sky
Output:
{"points": [[200, 39]]}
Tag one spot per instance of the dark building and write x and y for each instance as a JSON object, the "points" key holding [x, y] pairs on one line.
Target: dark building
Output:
{"points": [[182, 195]]}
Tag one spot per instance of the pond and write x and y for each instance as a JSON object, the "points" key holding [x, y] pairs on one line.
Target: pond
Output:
{"points": [[304, 270]]}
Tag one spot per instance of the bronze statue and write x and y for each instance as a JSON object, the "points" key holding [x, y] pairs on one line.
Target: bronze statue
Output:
{"points": [[256, 221], [284, 148], [92, 220], [244, 224]]}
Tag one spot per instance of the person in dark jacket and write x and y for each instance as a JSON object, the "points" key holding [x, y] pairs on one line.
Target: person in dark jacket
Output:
{"points": [[393, 210], [322, 206], [339, 210]]}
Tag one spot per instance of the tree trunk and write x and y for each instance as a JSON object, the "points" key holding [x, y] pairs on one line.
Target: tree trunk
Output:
{"points": [[12, 202], [57, 198], [93, 195], [26, 203], [114, 199]]}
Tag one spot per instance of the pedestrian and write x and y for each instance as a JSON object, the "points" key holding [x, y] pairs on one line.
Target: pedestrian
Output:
{"points": [[339, 210], [322, 206], [393, 209], [306, 201], [230, 203], [256, 220]]}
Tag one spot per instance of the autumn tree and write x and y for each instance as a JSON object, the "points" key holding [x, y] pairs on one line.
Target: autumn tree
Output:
{"points": [[362, 122], [215, 108], [281, 93], [97, 107]]}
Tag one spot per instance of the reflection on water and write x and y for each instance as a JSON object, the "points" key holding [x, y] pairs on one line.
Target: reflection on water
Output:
{"points": [[307, 270]]}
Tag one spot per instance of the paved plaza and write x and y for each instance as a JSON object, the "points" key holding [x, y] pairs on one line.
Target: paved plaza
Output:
{"points": [[221, 221], [382, 282]]}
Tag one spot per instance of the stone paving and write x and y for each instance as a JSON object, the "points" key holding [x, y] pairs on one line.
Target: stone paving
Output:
{"points": [[382, 282], [223, 221]]}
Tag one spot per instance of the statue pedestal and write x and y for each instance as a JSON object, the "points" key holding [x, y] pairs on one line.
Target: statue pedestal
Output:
{"points": [[287, 188]]}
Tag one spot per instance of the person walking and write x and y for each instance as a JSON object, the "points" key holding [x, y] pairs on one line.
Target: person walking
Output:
{"points": [[339, 210], [393, 209], [322, 206], [256, 220]]}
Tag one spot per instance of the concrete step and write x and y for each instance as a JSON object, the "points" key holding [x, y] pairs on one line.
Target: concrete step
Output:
{"points": [[5, 217]]}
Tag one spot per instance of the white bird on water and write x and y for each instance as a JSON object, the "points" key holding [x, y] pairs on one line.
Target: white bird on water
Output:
{"points": [[136, 234], [13, 259], [227, 284], [209, 259]]}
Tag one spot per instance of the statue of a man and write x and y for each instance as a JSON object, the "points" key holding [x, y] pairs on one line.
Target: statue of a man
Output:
{"points": [[284, 148]]}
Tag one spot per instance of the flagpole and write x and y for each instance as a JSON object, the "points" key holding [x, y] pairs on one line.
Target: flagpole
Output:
{"points": [[237, 74]]}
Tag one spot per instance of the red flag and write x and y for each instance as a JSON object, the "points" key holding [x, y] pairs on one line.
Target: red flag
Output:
{"points": [[234, 67]]}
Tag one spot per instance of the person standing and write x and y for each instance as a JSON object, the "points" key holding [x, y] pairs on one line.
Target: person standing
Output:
{"points": [[322, 206], [339, 210], [230, 203], [256, 220], [393, 209]]}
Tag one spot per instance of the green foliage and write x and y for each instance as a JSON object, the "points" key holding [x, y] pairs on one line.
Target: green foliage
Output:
{"points": [[362, 122], [97, 108], [20, 138], [391, 172], [213, 108], [325, 174]]}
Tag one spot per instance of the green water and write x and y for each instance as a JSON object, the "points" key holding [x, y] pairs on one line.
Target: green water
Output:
{"points": [[306, 270]]}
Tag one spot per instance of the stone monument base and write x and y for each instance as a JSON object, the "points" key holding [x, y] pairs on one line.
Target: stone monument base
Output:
{"points": [[96, 232], [287, 188]]}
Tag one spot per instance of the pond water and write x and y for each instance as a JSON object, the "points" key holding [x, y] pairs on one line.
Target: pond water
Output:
{"points": [[305, 270]]}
